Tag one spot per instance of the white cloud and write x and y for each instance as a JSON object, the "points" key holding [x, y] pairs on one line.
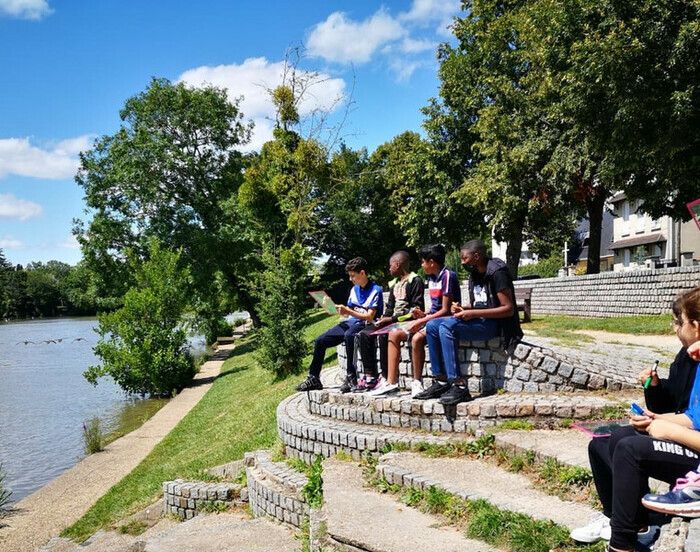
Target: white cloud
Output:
{"points": [[69, 243], [343, 40], [9, 242], [413, 46], [403, 68], [425, 12], [18, 156], [15, 208], [25, 9], [252, 79]]}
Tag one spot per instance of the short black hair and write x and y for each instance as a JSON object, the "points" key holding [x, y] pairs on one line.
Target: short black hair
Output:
{"points": [[403, 257], [433, 252], [358, 264], [475, 246]]}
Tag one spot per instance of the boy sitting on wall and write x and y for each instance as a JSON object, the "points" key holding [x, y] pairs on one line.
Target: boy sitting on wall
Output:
{"points": [[365, 304], [443, 288], [405, 295], [492, 313]]}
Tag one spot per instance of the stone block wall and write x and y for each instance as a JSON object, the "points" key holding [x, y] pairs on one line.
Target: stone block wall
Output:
{"points": [[274, 489], [186, 499], [611, 294], [525, 367]]}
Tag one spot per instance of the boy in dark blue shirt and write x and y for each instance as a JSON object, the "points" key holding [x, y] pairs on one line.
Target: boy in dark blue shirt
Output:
{"points": [[365, 304]]}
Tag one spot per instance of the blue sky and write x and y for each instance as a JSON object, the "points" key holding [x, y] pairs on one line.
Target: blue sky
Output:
{"points": [[69, 65]]}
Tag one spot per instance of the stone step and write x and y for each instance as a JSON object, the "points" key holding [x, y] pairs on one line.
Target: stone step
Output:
{"points": [[398, 410], [307, 435], [476, 479], [366, 520], [228, 532], [275, 489]]}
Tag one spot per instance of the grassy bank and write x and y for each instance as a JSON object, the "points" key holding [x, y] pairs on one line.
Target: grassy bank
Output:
{"points": [[564, 329], [235, 416]]}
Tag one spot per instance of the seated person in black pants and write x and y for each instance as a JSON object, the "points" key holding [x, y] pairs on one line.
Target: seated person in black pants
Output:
{"points": [[663, 443], [405, 294], [365, 304]]}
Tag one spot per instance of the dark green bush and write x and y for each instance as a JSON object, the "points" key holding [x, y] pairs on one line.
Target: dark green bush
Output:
{"points": [[546, 268]]}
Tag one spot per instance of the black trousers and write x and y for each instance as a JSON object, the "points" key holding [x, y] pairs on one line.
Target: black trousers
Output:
{"points": [[344, 332], [622, 465], [367, 346]]}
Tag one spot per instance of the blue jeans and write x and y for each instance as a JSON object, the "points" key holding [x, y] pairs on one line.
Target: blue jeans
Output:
{"points": [[444, 335]]}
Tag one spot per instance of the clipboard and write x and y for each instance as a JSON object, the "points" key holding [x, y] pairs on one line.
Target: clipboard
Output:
{"points": [[324, 301], [599, 428]]}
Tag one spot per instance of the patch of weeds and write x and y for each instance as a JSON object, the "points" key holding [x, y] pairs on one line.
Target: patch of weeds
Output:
{"points": [[516, 463], [213, 506], [574, 475], [93, 438], [522, 425], [278, 451], [298, 465], [304, 536], [412, 496], [481, 447], [5, 493], [395, 447], [383, 486], [242, 478], [313, 490], [565, 423], [343, 456], [437, 500], [615, 412], [134, 528]]}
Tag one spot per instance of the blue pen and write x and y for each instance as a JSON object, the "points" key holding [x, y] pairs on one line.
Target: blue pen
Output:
{"points": [[636, 409]]}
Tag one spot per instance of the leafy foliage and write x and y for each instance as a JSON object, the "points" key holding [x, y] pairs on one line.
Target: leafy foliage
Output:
{"points": [[143, 344], [280, 292], [5, 493], [93, 439]]}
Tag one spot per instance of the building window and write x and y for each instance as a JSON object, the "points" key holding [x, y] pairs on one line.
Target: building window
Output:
{"points": [[625, 218], [627, 255], [641, 219]]}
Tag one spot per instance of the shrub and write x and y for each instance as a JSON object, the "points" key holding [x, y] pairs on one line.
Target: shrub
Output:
{"points": [[92, 436], [281, 344], [143, 345], [5, 493], [547, 268], [313, 490]]}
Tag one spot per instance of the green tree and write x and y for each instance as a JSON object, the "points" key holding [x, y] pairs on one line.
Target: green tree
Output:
{"points": [[143, 345], [171, 172]]}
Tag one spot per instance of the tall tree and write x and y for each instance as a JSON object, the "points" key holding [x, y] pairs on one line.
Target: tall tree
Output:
{"points": [[171, 172]]}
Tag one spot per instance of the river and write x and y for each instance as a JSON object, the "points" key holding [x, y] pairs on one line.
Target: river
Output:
{"points": [[44, 399]]}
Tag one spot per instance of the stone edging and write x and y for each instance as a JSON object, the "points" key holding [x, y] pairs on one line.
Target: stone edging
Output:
{"points": [[274, 489], [186, 499], [400, 411]]}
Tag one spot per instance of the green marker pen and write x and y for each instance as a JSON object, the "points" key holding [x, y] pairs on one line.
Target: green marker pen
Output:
{"points": [[650, 377]]}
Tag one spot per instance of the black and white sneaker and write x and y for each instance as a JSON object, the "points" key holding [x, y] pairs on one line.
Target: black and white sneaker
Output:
{"points": [[456, 394], [348, 385], [437, 389], [312, 383]]}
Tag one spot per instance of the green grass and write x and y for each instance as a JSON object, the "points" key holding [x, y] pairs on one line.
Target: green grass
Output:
{"points": [[235, 416], [646, 325]]}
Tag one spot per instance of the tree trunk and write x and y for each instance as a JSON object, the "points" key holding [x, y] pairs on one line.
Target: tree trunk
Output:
{"points": [[515, 244], [595, 202]]}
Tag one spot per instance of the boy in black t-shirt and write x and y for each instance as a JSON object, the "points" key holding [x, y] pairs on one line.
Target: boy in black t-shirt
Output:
{"points": [[492, 313]]}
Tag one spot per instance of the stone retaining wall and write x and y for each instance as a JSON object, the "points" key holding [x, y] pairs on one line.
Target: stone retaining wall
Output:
{"points": [[186, 499], [611, 294], [525, 367], [274, 489]]}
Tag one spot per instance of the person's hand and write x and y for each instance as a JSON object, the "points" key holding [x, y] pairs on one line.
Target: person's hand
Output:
{"points": [[642, 422], [465, 314], [344, 310], [383, 321], [456, 307], [644, 374], [417, 313], [694, 351]]}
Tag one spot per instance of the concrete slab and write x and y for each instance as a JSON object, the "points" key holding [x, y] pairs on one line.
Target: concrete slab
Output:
{"points": [[368, 520]]}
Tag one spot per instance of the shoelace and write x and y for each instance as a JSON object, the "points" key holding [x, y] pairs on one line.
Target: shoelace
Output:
{"points": [[691, 478]]}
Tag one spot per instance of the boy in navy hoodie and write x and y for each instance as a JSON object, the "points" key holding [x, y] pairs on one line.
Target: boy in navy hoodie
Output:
{"points": [[365, 304], [492, 313]]}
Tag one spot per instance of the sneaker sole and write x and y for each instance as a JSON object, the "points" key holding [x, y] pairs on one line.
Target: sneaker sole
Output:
{"points": [[679, 509]]}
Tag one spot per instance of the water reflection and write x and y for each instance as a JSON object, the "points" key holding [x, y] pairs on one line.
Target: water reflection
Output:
{"points": [[44, 399]]}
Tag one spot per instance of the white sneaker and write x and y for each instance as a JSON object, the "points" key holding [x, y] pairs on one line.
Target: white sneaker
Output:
{"points": [[383, 388], [416, 387], [598, 528]]}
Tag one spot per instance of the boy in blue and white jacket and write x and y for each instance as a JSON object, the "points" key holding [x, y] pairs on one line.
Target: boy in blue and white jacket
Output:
{"points": [[365, 304]]}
